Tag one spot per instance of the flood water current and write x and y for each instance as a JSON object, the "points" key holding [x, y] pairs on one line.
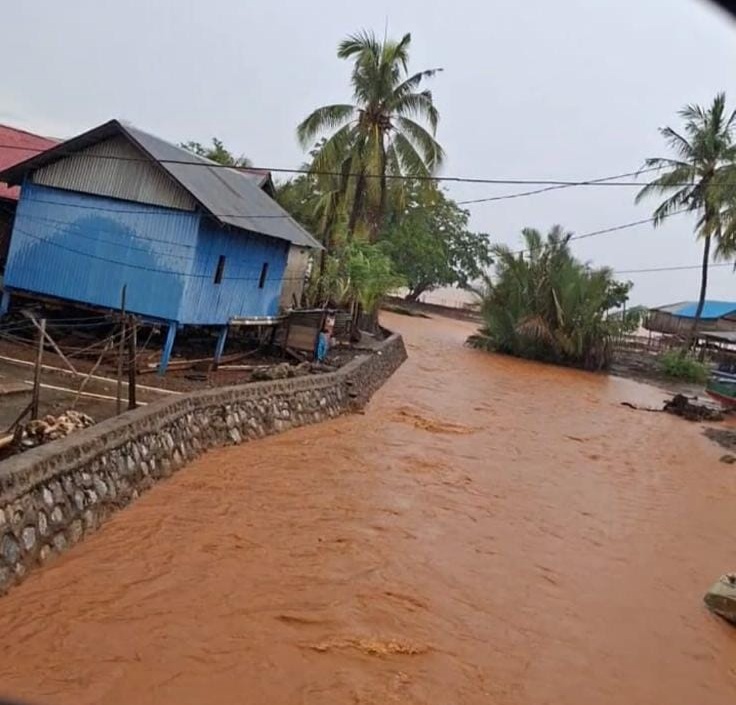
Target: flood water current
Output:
{"points": [[489, 531]]}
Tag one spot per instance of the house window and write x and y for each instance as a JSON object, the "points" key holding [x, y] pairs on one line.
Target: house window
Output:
{"points": [[264, 273], [220, 269]]}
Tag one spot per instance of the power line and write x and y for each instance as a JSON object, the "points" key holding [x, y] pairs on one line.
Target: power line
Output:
{"points": [[150, 211], [147, 250], [76, 230], [590, 182], [310, 172], [673, 269], [138, 266], [613, 229], [593, 233]]}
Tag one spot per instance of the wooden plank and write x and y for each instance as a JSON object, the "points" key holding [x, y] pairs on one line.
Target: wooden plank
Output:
{"points": [[37, 369], [302, 338]]}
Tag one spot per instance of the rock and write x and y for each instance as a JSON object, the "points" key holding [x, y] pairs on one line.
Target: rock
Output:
{"points": [[75, 531], [89, 520], [721, 598], [100, 487], [57, 516], [29, 537], [9, 549], [235, 435], [728, 459], [59, 542], [79, 500], [44, 553], [43, 524], [48, 497]]}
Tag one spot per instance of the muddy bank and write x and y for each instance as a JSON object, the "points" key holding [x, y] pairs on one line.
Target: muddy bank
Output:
{"points": [[490, 531]]}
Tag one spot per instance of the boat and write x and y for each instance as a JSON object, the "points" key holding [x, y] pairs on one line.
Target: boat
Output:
{"points": [[721, 386]]}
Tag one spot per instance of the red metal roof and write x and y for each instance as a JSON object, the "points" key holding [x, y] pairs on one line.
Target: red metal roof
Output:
{"points": [[16, 146]]}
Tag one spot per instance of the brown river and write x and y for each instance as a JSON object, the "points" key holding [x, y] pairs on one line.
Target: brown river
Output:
{"points": [[489, 531]]}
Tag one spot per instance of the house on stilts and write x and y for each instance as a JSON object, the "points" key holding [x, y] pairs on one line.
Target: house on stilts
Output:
{"points": [[192, 242]]}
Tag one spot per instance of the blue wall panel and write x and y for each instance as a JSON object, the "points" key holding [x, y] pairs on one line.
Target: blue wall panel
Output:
{"points": [[238, 294], [85, 248]]}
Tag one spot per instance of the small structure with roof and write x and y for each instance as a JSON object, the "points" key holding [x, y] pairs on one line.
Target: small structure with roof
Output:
{"points": [[15, 146], [678, 318], [192, 242]]}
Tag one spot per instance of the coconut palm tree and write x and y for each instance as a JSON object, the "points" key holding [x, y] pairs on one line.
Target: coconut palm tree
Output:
{"points": [[380, 134], [695, 178]]}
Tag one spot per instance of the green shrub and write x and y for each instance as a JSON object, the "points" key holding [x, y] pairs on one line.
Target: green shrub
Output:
{"points": [[544, 304], [679, 365]]}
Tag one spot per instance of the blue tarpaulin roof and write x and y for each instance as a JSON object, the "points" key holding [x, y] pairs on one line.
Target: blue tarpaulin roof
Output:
{"points": [[712, 309]]}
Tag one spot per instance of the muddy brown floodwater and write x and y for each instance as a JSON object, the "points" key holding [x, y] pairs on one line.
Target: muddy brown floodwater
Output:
{"points": [[489, 531]]}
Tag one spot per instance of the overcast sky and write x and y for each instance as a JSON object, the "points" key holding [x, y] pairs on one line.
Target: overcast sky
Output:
{"points": [[539, 89]]}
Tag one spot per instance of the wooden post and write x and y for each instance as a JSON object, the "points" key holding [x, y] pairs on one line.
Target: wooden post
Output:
{"points": [[51, 342], [132, 363], [121, 347], [168, 347], [37, 370], [220, 347]]}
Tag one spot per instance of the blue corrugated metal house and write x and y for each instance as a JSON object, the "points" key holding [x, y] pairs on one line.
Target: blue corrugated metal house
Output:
{"points": [[193, 243], [678, 318]]}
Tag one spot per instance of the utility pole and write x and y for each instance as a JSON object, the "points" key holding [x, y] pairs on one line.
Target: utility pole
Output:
{"points": [[132, 352], [37, 370], [121, 348]]}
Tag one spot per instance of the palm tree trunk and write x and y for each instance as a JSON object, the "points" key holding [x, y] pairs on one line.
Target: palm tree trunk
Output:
{"points": [[703, 289], [357, 204], [323, 255], [379, 216]]}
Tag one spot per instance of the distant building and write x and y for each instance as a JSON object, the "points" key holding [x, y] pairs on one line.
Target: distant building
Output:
{"points": [[193, 243], [677, 319], [15, 146]]}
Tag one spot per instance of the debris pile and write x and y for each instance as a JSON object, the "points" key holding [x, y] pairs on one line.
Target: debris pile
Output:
{"points": [[50, 428], [281, 371], [680, 405]]}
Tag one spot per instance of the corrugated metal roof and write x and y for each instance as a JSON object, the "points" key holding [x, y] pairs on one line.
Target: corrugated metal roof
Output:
{"points": [[17, 146], [711, 309], [232, 197]]}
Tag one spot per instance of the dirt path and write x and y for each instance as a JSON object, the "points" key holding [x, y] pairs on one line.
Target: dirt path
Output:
{"points": [[490, 531]]}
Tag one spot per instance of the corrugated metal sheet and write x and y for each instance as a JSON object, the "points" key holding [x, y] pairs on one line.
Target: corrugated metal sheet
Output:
{"points": [[295, 275], [711, 309], [231, 196], [61, 250], [17, 146], [238, 294], [124, 175]]}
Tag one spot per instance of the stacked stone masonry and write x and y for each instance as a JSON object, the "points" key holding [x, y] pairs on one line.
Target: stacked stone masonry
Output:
{"points": [[53, 495]]}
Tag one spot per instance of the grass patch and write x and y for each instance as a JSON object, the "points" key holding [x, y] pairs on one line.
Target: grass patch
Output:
{"points": [[679, 365]]}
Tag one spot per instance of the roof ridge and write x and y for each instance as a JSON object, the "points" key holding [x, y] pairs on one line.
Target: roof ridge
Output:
{"points": [[29, 133]]}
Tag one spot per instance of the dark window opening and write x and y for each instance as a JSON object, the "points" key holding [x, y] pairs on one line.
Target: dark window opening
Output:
{"points": [[220, 269], [264, 272]]}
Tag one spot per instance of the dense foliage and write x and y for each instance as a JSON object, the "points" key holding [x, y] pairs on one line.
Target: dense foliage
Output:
{"points": [[678, 365], [431, 245], [545, 304], [359, 273], [217, 152]]}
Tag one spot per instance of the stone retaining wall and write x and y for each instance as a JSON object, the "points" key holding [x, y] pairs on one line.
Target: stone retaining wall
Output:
{"points": [[51, 496]]}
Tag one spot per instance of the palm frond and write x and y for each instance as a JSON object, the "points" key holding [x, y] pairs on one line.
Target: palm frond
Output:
{"points": [[321, 120], [430, 150], [411, 160]]}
